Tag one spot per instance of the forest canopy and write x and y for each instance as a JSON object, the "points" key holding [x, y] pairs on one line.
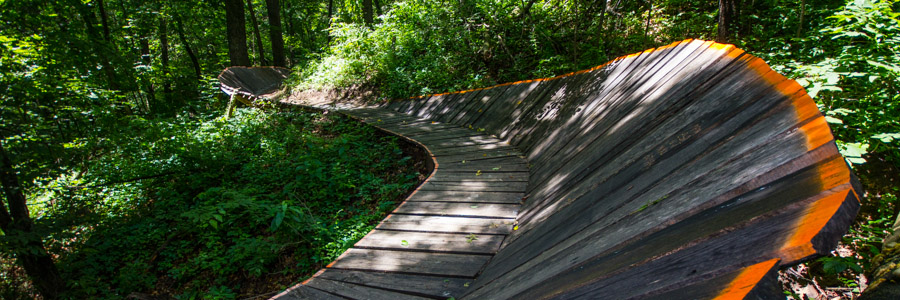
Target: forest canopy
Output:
{"points": [[120, 177]]}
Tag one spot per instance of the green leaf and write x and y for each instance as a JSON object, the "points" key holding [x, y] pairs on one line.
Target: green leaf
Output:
{"points": [[833, 120], [887, 137]]}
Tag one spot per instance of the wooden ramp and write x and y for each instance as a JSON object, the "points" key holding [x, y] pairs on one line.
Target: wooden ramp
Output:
{"points": [[683, 172]]}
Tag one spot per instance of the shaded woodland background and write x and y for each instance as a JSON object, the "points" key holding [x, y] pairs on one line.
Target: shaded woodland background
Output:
{"points": [[120, 178]]}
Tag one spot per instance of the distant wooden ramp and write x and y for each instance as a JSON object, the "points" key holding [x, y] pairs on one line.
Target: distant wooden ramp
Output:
{"points": [[246, 84], [687, 171]]}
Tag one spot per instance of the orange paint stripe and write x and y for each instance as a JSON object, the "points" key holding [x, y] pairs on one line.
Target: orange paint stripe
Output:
{"points": [[799, 245], [817, 133], [672, 45], [746, 280]]}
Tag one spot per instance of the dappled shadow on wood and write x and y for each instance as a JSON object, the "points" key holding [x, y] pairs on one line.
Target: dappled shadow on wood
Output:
{"points": [[691, 165]]}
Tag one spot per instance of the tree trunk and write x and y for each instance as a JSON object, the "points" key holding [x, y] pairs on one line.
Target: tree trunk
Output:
{"points": [[104, 20], [179, 29], [237, 33], [728, 12], [260, 52], [802, 13], [367, 12], [164, 58], [275, 35], [16, 221], [99, 45]]}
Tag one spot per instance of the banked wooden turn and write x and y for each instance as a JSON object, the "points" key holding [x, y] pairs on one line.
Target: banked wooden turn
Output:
{"points": [[689, 171]]}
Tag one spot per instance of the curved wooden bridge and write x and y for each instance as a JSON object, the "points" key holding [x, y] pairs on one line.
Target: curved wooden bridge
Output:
{"points": [[687, 171]]}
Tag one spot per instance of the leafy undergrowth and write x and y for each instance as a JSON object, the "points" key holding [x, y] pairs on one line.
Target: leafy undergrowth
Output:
{"points": [[219, 209]]}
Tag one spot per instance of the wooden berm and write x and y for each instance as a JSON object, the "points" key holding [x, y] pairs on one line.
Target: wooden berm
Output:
{"points": [[689, 171]]}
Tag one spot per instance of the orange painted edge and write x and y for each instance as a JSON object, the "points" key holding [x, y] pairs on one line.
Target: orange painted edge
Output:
{"points": [[672, 45], [799, 244], [741, 285]]}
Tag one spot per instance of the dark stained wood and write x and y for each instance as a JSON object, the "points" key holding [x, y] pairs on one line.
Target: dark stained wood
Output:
{"points": [[671, 173], [407, 262], [431, 241], [486, 175], [438, 287], [458, 209], [450, 150], [483, 186], [355, 291], [463, 196], [252, 81], [301, 292], [446, 224]]}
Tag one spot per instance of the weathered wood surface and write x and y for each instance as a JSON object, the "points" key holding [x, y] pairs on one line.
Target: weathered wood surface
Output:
{"points": [[683, 172], [252, 82], [435, 242]]}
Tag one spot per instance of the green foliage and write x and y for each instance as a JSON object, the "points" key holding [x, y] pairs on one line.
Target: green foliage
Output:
{"points": [[851, 67], [427, 46], [197, 207]]}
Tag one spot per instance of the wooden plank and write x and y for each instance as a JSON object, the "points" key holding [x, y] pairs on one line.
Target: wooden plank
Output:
{"points": [[473, 148], [431, 241], [524, 112], [355, 291], [475, 177], [738, 243], [421, 129], [460, 209], [406, 262], [434, 286], [419, 110], [446, 111], [507, 164], [459, 151], [727, 163], [465, 140], [439, 107], [446, 224], [463, 196], [601, 152], [803, 185], [482, 101], [599, 119], [447, 135], [714, 239], [378, 121], [301, 292], [476, 156], [501, 113], [483, 186], [468, 100]]}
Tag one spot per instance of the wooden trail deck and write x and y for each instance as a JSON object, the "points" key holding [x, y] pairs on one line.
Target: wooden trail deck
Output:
{"points": [[437, 241], [689, 171]]}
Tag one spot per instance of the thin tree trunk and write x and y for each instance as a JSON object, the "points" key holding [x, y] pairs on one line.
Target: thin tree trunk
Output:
{"points": [[104, 20], [802, 14], [367, 12], [647, 26], [164, 58], [33, 257], [237, 33], [275, 34], [260, 52], [99, 45], [179, 29], [728, 11]]}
